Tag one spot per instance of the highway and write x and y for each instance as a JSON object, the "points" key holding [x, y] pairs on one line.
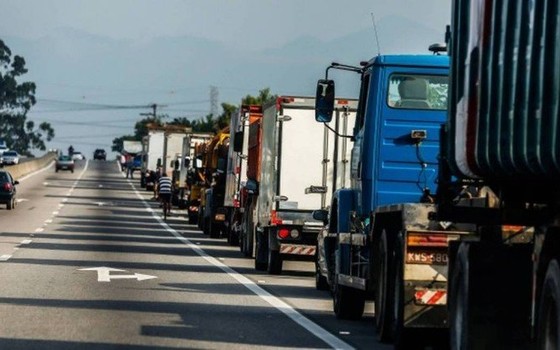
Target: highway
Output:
{"points": [[87, 262]]}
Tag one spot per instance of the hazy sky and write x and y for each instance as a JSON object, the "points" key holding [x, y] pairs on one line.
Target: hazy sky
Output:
{"points": [[250, 23], [89, 68]]}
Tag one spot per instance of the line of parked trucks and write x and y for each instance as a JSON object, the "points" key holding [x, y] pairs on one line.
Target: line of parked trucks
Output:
{"points": [[436, 194]]}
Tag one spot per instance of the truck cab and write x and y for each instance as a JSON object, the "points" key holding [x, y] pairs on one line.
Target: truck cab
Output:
{"points": [[366, 249]]}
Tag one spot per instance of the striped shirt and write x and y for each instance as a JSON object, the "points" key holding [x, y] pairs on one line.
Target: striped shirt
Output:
{"points": [[164, 184]]}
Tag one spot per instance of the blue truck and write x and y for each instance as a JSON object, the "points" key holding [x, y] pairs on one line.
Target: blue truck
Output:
{"points": [[378, 242]]}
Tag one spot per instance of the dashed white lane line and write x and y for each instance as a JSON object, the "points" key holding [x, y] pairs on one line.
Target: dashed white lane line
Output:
{"points": [[65, 200], [48, 221], [277, 303], [5, 257], [40, 229], [55, 212], [26, 241]]}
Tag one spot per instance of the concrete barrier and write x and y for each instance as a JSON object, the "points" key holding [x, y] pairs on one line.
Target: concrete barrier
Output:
{"points": [[22, 169]]}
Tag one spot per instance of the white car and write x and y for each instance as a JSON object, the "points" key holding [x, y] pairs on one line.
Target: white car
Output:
{"points": [[10, 157], [78, 156]]}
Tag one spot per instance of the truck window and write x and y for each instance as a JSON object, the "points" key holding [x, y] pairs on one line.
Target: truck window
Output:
{"points": [[361, 112], [415, 91]]}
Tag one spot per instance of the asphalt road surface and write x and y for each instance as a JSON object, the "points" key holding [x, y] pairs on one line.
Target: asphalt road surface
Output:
{"points": [[87, 262]]}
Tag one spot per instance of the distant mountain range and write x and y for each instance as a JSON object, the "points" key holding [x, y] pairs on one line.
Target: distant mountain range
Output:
{"points": [[73, 65]]}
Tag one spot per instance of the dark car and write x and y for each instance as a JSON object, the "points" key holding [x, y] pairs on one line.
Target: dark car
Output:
{"points": [[7, 189], [64, 163], [100, 154]]}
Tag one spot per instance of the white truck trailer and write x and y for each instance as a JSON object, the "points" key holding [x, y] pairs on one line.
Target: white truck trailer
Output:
{"points": [[294, 180]]}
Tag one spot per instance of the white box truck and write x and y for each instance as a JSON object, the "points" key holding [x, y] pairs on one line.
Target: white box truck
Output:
{"points": [[295, 170]]}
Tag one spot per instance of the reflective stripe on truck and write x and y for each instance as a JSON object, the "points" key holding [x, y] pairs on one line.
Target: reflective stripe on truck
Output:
{"points": [[297, 249]]}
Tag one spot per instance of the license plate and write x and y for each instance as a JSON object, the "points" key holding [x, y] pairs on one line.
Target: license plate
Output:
{"points": [[426, 257]]}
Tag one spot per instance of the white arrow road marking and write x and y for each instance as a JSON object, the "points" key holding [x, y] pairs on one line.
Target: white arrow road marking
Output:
{"points": [[104, 274]]}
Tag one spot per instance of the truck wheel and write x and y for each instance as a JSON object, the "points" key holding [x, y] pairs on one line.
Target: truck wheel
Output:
{"points": [[274, 262], [348, 303], [384, 291], [485, 281], [215, 230], [247, 237], [261, 255], [193, 217], [205, 226], [549, 309], [320, 280], [403, 337]]}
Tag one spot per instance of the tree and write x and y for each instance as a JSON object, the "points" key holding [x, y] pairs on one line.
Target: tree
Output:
{"points": [[140, 130], [16, 99], [263, 97]]}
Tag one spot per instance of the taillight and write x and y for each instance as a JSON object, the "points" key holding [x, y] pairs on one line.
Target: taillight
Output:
{"points": [[427, 240], [7, 186], [274, 220], [283, 233]]}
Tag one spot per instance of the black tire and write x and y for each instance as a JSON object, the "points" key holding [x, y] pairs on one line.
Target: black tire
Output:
{"points": [[549, 309], [404, 338], [193, 218], [348, 303], [205, 226], [384, 291], [56, 170], [72, 171], [274, 262], [10, 204], [214, 230], [261, 255], [247, 234], [321, 282]]}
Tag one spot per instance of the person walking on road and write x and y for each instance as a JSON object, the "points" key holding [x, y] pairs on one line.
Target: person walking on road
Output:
{"points": [[164, 193], [122, 160]]}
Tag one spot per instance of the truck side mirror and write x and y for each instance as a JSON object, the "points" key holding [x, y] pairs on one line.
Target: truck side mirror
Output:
{"points": [[324, 101], [238, 142]]}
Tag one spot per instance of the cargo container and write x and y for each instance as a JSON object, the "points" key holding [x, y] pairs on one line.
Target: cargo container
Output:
{"points": [[236, 174], [249, 193], [212, 213], [187, 183], [287, 181], [499, 172]]}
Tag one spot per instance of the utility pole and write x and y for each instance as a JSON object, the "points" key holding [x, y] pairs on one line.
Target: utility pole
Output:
{"points": [[154, 107]]}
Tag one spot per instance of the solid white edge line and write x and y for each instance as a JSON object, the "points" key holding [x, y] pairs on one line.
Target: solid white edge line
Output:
{"points": [[280, 305]]}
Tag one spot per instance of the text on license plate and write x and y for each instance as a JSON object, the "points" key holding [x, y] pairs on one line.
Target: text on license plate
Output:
{"points": [[426, 257]]}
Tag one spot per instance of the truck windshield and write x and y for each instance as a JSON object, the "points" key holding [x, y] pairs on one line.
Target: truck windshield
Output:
{"points": [[415, 91]]}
